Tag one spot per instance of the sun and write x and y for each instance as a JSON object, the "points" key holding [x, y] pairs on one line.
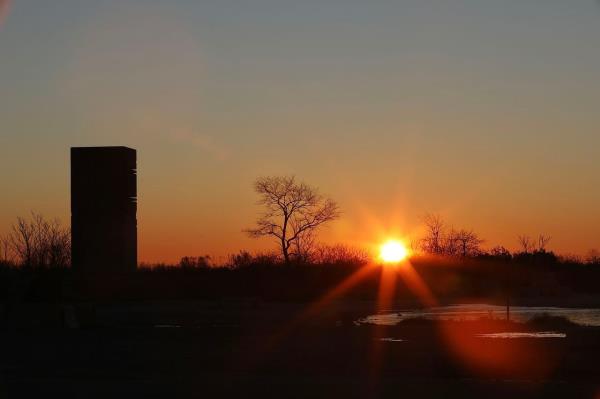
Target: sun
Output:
{"points": [[393, 251]]}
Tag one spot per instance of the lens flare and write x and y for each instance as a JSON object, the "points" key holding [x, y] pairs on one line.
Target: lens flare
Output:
{"points": [[4, 6]]}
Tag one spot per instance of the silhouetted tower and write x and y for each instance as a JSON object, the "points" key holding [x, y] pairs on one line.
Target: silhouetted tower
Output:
{"points": [[103, 208]]}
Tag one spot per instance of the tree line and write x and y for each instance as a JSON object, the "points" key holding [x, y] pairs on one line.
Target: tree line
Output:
{"points": [[442, 239], [292, 214]]}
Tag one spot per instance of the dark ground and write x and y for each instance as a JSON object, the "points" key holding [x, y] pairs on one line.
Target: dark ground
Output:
{"points": [[253, 349]]}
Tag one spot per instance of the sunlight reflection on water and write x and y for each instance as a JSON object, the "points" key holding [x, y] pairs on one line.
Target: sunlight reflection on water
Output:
{"points": [[583, 317], [512, 335]]}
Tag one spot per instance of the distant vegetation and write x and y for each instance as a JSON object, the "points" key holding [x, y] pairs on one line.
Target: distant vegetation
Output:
{"points": [[35, 260], [539, 277], [40, 243]]}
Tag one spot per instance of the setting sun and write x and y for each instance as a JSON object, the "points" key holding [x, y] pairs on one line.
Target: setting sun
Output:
{"points": [[393, 251]]}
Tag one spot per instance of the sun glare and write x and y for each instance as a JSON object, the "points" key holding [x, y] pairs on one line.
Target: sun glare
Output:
{"points": [[393, 251]]}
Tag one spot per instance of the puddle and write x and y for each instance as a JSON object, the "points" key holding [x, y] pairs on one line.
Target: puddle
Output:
{"points": [[513, 335], [582, 317]]}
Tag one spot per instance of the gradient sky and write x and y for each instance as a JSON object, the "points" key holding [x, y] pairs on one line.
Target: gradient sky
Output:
{"points": [[485, 111]]}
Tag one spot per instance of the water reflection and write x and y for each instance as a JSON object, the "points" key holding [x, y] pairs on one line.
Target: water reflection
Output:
{"points": [[513, 335], [583, 317]]}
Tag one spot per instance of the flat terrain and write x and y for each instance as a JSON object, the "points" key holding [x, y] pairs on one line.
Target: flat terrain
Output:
{"points": [[254, 349]]}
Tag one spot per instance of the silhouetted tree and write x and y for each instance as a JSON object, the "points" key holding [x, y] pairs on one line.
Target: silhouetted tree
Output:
{"points": [[40, 243], [466, 242], [530, 246], [439, 240], [304, 246], [450, 245], [432, 243], [293, 211], [501, 253], [191, 262], [543, 241], [526, 244], [4, 249], [241, 259], [21, 241]]}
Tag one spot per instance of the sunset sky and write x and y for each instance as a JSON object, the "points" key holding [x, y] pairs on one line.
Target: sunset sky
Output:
{"points": [[484, 111]]}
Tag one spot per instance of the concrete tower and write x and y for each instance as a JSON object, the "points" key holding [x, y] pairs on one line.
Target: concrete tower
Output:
{"points": [[103, 209]]}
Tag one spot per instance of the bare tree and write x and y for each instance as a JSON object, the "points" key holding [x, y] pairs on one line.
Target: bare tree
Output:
{"points": [[4, 249], [543, 241], [466, 242], [293, 211], [433, 241], [500, 252], [304, 246], [21, 241], [449, 243], [40, 243], [442, 240], [526, 243], [191, 262]]}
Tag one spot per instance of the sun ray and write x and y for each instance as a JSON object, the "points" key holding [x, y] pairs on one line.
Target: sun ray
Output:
{"points": [[417, 285], [313, 309], [347, 284]]}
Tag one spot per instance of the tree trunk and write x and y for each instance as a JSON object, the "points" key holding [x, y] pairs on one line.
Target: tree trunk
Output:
{"points": [[284, 249]]}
